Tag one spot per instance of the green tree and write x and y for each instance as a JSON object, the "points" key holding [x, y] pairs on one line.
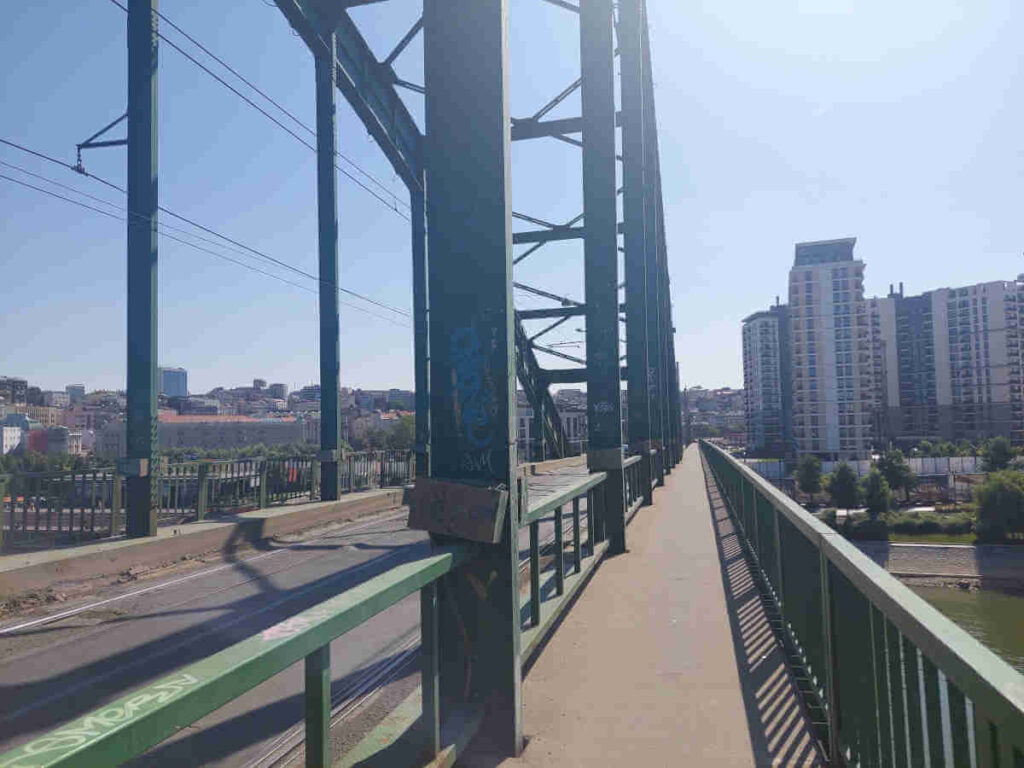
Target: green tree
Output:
{"points": [[997, 454], [896, 471], [877, 494], [404, 434], [945, 448], [808, 473], [843, 488], [926, 448], [964, 448], [1000, 501]]}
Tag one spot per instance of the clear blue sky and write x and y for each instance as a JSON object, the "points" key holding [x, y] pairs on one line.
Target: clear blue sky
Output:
{"points": [[899, 123]]}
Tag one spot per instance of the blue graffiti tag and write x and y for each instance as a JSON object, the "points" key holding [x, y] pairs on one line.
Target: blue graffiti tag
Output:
{"points": [[467, 356]]}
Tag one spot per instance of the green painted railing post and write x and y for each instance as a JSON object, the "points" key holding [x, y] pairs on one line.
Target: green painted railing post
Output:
{"points": [[778, 556], [263, 483], [318, 708], [430, 673], [3, 507], [115, 504], [831, 671], [202, 490], [559, 553], [756, 542]]}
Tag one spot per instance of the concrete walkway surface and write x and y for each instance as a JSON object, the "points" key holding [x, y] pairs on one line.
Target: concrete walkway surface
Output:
{"points": [[667, 658]]}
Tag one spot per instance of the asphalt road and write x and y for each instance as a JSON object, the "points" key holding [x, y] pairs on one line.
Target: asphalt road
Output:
{"points": [[54, 670]]}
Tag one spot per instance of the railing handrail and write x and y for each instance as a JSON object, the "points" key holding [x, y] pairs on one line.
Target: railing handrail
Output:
{"points": [[629, 461], [978, 671], [562, 498], [112, 469], [129, 726]]}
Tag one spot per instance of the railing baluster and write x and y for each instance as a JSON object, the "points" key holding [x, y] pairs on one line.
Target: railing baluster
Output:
{"points": [[430, 673], [559, 553], [318, 708], [577, 564], [590, 520], [534, 573]]}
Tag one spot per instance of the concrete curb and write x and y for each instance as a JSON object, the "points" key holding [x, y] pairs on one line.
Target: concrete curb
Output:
{"points": [[35, 571]]}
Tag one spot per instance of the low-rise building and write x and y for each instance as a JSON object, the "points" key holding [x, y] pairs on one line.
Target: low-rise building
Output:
{"points": [[207, 432], [10, 439], [56, 399]]}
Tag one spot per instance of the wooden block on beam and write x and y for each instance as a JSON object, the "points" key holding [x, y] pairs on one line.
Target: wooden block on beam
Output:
{"points": [[450, 508]]}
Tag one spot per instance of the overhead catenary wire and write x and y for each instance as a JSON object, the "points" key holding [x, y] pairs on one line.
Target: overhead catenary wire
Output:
{"points": [[169, 236], [213, 232], [391, 204]]}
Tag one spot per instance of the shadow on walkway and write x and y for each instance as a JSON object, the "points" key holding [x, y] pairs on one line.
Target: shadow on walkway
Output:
{"points": [[781, 733]]}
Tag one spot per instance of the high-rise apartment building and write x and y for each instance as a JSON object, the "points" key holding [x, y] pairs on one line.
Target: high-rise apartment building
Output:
{"points": [[832, 353], [76, 393], [767, 390], [174, 382], [943, 365], [959, 364], [13, 391]]}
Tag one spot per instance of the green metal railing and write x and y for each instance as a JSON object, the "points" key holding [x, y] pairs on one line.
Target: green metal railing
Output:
{"points": [[129, 726], [891, 680], [45, 509], [40, 507], [551, 510]]}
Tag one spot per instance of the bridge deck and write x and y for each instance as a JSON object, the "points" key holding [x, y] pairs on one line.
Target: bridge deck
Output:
{"points": [[667, 658]]}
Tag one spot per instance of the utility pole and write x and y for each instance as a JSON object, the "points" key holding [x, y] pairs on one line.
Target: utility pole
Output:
{"points": [[327, 212], [140, 464]]}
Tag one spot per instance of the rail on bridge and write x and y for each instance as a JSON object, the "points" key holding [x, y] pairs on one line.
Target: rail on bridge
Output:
{"points": [[438, 719], [888, 679]]}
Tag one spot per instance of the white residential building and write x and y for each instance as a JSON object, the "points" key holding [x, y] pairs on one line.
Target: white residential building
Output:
{"points": [[832, 361], [10, 439]]}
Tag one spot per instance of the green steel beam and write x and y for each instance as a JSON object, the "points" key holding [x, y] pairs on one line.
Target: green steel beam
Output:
{"points": [[601, 263], [656, 244], [655, 340], [327, 214], [472, 371], [549, 312], [548, 235], [142, 444], [421, 324], [638, 341], [129, 726], [366, 84]]}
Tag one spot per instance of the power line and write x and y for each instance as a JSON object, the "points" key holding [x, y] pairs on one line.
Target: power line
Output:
{"points": [[191, 245], [392, 205], [213, 232], [295, 119]]}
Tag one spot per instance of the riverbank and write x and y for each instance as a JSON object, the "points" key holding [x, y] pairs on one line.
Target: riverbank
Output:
{"points": [[969, 566]]}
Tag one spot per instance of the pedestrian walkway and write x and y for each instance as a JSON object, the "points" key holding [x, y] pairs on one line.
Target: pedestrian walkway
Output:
{"points": [[667, 659]]}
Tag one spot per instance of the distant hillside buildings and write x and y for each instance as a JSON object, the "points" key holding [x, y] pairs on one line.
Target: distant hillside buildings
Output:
{"points": [[942, 365]]}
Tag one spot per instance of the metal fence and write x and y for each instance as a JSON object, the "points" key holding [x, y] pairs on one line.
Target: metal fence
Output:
{"points": [[48, 509], [891, 680], [780, 469], [126, 728]]}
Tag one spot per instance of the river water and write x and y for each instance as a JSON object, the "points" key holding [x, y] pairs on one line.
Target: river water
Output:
{"points": [[995, 618]]}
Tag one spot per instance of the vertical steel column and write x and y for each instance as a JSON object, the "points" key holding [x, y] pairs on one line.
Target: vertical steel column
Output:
{"points": [[638, 433], [601, 262], [655, 284], [327, 214], [537, 433], [472, 348], [421, 324], [670, 390], [142, 444]]}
